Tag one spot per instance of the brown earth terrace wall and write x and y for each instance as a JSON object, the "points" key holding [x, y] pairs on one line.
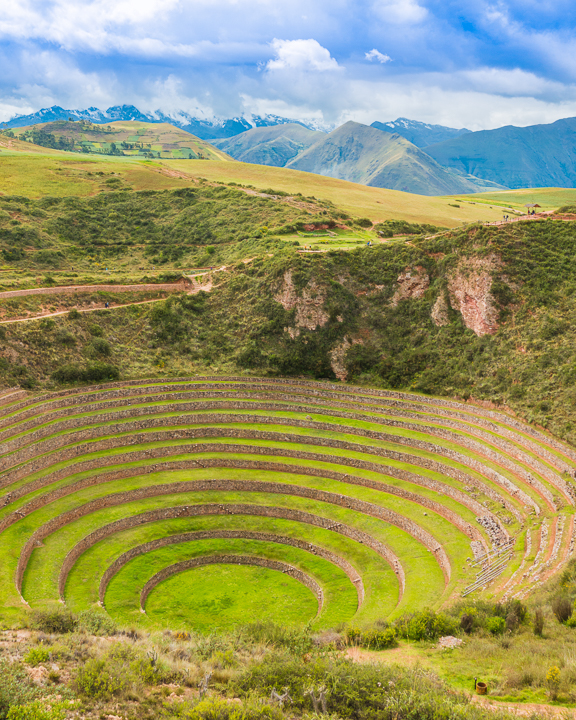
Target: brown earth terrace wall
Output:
{"points": [[498, 537], [125, 558], [232, 560], [73, 289], [62, 408], [31, 467], [483, 450], [207, 509], [316, 388], [54, 443]]}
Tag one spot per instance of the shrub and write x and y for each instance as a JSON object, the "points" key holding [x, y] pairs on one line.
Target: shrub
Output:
{"points": [[94, 622], [538, 622], [219, 709], [96, 372], [74, 314], [37, 711], [95, 680], [37, 655], [426, 625], [100, 347], [467, 623], [54, 620], [16, 687], [66, 338], [95, 330], [379, 639], [496, 625], [553, 681], [562, 608]]}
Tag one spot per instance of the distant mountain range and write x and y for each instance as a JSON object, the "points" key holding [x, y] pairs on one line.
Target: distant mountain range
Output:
{"points": [[203, 129], [354, 152], [419, 133], [436, 160], [535, 156]]}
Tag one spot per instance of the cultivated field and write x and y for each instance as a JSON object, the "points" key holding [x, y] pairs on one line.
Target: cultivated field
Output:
{"points": [[205, 502]]}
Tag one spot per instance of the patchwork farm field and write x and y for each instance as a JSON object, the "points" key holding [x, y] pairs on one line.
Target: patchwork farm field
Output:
{"points": [[207, 502]]}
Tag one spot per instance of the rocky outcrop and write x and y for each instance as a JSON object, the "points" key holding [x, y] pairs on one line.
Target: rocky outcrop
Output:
{"points": [[469, 287], [412, 284], [310, 312], [337, 357], [439, 312]]}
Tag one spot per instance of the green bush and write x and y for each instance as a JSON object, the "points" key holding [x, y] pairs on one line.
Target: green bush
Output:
{"points": [[426, 625], [97, 372], [37, 655], [99, 347], [16, 687], [54, 620], [496, 625], [95, 622], [95, 330], [37, 710], [562, 608], [95, 679], [219, 709]]}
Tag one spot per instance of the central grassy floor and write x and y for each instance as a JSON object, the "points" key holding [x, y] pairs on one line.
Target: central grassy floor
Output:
{"points": [[221, 596]]}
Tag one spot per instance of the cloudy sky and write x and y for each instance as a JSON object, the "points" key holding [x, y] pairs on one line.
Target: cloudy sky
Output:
{"points": [[463, 63]]}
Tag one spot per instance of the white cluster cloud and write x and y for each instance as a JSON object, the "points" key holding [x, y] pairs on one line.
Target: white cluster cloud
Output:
{"points": [[377, 55], [301, 55]]}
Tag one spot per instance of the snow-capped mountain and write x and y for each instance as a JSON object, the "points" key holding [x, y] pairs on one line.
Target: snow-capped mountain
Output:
{"points": [[419, 133], [206, 129]]}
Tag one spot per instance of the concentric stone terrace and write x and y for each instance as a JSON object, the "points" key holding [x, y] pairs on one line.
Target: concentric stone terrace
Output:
{"points": [[206, 501]]}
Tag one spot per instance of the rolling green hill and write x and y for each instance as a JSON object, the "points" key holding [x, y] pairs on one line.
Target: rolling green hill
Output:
{"points": [[366, 155], [121, 138], [535, 156], [276, 145]]}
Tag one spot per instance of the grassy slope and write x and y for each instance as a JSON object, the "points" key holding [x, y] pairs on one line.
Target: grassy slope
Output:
{"points": [[36, 172], [162, 139]]}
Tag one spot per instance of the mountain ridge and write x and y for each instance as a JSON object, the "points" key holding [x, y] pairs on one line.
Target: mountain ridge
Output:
{"points": [[363, 154]]}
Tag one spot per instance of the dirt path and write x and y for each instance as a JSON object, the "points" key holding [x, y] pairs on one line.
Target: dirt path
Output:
{"points": [[525, 709], [71, 289], [81, 310]]}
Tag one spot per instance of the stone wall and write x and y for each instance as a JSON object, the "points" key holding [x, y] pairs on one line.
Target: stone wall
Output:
{"points": [[233, 560], [451, 516], [53, 443], [508, 448], [313, 388], [125, 558], [194, 511]]}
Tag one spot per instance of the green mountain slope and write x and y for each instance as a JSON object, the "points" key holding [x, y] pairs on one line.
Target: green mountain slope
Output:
{"points": [[275, 145], [369, 156], [535, 156], [129, 138]]}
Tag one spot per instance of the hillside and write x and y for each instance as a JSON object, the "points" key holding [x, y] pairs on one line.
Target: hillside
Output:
{"points": [[419, 133], [276, 145], [535, 156], [362, 154], [33, 171], [121, 138]]}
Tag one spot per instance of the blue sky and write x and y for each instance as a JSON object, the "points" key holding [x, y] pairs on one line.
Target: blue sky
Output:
{"points": [[466, 63]]}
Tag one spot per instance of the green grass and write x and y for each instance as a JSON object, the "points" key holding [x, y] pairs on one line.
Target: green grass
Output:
{"points": [[378, 578], [220, 597], [123, 595]]}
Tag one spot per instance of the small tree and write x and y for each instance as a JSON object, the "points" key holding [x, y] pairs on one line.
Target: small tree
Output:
{"points": [[538, 622]]}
